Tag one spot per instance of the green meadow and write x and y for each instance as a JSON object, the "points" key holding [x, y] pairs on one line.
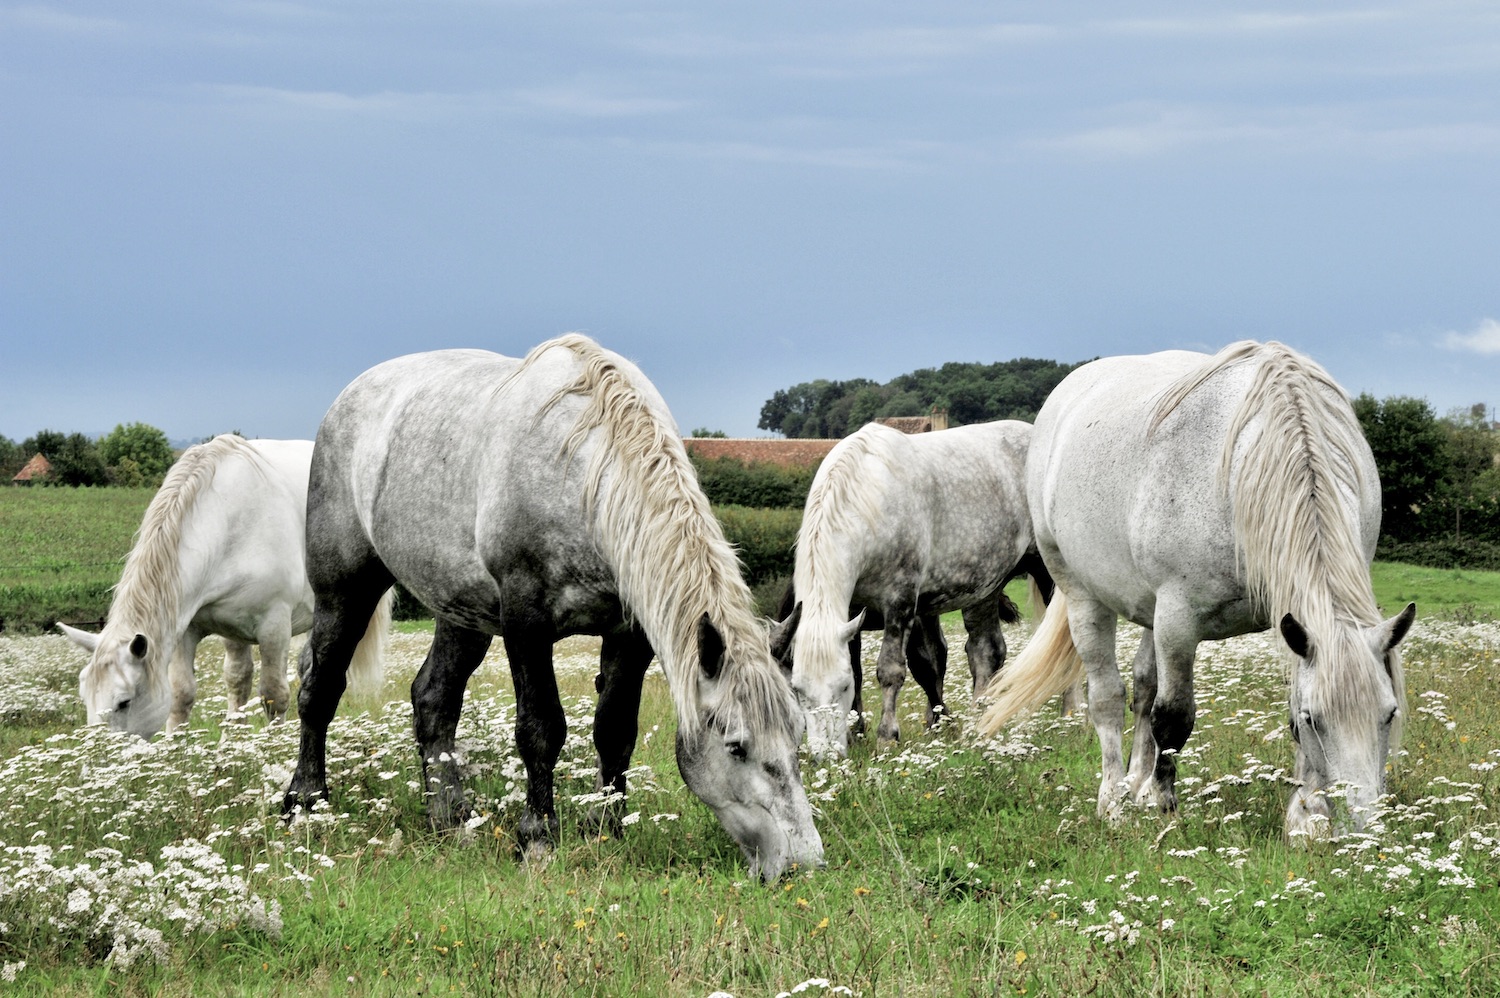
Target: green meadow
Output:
{"points": [[956, 865]]}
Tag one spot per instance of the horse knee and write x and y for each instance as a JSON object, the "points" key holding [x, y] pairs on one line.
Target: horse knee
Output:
{"points": [[1172, 723]]}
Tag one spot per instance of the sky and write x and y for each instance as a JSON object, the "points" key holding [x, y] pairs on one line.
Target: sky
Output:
{"points": [[215, 214]]}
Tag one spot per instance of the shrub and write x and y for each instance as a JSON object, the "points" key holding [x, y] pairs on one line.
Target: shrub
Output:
{"points": [[728, 481]]}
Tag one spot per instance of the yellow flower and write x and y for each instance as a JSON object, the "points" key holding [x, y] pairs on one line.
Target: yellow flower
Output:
{"points": [[1020, 957], [860, 892], [580, 923], [823, 924], [803, 903]]}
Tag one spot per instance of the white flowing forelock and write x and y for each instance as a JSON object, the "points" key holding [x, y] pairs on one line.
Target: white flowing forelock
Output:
{"points": [[1297, 541], [843, 503], [148, 597], [671, 560]]}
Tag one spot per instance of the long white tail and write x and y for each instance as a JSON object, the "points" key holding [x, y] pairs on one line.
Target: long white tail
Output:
{"points": [[367, 668], [1047, 666]]}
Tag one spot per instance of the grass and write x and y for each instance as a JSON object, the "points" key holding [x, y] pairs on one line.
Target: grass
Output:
{"points": [[956, 866]]}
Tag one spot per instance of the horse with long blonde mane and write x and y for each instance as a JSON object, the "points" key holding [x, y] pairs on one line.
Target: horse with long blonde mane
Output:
{"points": [[898, 529], [219, 551], [533, 500], [1204, 497]]}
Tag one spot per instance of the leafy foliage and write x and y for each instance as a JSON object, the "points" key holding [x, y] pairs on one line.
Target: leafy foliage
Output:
{"points": [[970, 392], [728, 481], [145, 448]]}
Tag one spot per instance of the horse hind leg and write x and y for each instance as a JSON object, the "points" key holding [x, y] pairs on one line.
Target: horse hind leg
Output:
{"points": [[239, 669], [1093, 630], [1174, 708], [437, 698], [623, 660]]}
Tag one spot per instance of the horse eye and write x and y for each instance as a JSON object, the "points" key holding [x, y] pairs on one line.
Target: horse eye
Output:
{"points": [[737, 749], [122, 706], [1392, 718]]}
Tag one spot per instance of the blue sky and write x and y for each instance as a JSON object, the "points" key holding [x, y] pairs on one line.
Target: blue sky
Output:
{"points": [[213, 215]]}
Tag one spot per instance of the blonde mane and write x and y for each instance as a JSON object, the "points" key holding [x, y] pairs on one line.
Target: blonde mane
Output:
{"points": [[1296, 537], [842, 503], [671, 560], [147, 599]]}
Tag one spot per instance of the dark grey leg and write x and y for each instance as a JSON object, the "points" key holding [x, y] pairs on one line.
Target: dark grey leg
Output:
{"points": [[437, 699], [623, 660]]}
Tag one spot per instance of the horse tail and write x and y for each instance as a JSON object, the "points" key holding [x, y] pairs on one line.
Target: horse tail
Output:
{"points": [[1047, 666], [367, 667]]}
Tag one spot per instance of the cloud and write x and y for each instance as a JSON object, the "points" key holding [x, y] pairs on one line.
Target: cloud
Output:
{"points": [[1485, 339]]}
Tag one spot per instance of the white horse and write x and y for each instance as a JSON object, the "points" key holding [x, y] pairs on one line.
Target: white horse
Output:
{"points": [[219, 551], [910, 527], [533, 500], [1204, 497]]}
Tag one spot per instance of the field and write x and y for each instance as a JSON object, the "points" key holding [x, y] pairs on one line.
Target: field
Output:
{"points": [[957, 866]]}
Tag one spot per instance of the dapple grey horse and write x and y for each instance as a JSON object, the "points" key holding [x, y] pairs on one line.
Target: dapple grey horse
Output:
{"points": [[533, 500], [907, 527]]}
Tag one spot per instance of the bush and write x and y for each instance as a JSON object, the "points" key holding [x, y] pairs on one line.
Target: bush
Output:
{"points": [[764, 538], [728, 481], [1447, 553]]}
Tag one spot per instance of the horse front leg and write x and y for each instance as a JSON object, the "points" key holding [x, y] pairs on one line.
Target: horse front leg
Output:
{"points": [[890, 672], [857, 667], [1143, 751], [336, 631], [437, 699], [985, 645], [275, 638], [623, 660], [239, 669], [184, 682], [541, 728], [927, 661]]}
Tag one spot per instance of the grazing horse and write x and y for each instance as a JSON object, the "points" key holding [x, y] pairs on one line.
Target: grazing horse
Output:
{"points": [[1204, 497], [533, 500], [219, 551], [907, 528]]}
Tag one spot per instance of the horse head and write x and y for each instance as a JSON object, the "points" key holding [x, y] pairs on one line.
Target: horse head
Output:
{"points": [[116, 685], [823, 682], [741, 758], [1344, 731]]}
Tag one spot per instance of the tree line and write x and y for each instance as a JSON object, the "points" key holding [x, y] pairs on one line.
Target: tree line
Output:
{"points": [[133, 455], [969, 392]]}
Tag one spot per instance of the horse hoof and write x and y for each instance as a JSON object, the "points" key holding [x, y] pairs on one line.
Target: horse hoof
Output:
{"points": [[299, 800]]}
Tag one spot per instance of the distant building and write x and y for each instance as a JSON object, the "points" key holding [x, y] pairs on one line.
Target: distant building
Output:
{"points": [[37, 468], [937, 420]]}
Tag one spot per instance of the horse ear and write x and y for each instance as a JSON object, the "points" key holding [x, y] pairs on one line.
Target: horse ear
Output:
{"points": [[782, 634], [1294, 635], [138, 646], [852, 628], [710, 648], [83, 639], [1395, 629]]}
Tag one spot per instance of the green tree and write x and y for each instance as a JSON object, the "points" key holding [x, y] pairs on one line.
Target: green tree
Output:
{"points": [[704, 432], [1411, 454], [146, 447], [45, 442], [77, 462], [13, 458]]}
